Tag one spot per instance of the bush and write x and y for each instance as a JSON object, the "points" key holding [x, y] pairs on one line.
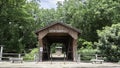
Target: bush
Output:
{"points": [[119, 62], [53, 49], [30, 56], [109, 42], [87, 54], [86, 49], [82, 43]]}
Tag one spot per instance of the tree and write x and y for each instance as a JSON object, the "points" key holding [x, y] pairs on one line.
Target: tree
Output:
{"points": [[109, 43], [15, 25], [89, 15], [19, 19], [99, 13]]}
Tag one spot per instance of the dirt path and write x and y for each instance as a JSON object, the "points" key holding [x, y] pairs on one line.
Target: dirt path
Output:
{"points": [[57, 65]]}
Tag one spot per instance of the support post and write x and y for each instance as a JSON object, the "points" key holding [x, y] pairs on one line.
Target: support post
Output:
{"points": [[19, 55], [1, 52], [38, 53], [64, 57], [40, 50], [79, 57], [51, 56], [96, 56], [75, 50], [34, 57]]}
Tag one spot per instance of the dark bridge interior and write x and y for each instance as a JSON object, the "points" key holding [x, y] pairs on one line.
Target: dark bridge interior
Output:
{"points": [[63, 38]]}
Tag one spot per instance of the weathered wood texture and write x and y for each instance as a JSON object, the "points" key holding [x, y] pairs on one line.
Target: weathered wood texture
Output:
{"points": [[59, 32]]}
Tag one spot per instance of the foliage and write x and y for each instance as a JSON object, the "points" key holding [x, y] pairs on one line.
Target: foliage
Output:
{"points": [[109, 42], [16, 26], [87, 54], [53, 49], [119, 62], [89, 15], [82, 43], [86, 49], [20, 19], [54, 45], [30, 56]]}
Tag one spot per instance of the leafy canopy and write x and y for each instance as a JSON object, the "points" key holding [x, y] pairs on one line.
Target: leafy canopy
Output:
{"points": [[109, 42]]}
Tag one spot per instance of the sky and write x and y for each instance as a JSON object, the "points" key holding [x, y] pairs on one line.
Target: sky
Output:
{"points": [[48, 4]]}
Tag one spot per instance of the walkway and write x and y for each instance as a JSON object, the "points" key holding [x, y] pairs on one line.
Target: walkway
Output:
{"points": [[57, 65]]}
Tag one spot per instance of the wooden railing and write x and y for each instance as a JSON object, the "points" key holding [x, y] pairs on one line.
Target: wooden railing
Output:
{"points": [[10, 55]]}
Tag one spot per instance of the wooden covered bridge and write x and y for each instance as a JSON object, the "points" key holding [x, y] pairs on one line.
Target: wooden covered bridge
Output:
{"points": [[58, 33]]}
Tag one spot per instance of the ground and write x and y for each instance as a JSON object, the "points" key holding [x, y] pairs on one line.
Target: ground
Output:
{"points": [[56, 64]]}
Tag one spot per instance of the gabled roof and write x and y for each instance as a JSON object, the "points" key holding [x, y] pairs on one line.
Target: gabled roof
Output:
{"points": [[65, 25]]}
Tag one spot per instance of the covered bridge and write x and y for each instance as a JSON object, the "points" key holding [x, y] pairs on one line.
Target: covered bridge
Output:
{"points": [[58, 33]]}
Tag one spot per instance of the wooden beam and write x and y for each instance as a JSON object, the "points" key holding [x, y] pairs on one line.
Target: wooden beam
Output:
{"points": [[42, 34], [40, 52], [73, 34], [74, 49]]}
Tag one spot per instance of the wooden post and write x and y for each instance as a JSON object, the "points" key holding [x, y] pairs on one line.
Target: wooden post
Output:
{"points": [[1, 51], [34, 57], [74, 50], [19, 55], [96, 56], [51, 56], [40, 50], [79, 58], [64, 57], [38, 53]]}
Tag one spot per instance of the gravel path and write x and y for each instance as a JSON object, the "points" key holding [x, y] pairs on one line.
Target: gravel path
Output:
{"points": [[57, 65]]}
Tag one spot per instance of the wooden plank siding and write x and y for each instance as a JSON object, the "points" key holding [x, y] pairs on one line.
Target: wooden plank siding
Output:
{"points": [[58, 31]]}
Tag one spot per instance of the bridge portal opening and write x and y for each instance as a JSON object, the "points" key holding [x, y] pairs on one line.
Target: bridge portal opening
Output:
{"points": [[51, 41]]}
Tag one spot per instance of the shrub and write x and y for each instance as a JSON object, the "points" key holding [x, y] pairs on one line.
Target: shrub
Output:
{"points": [[109, 42], [86, 49], [30, 56], [53, 49], [87, 54]]}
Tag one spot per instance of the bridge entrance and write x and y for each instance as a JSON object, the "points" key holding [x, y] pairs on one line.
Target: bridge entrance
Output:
{"points": [[58, 33]]}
